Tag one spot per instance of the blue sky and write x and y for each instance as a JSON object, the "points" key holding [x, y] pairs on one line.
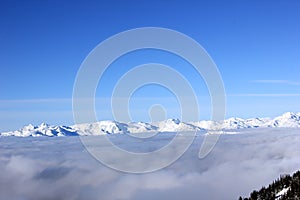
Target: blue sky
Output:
{"points": [[255, 45]]}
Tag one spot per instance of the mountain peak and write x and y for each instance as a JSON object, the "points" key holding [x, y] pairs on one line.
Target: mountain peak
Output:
{"points": [[288, 120], [290, 115], [175, 121]]}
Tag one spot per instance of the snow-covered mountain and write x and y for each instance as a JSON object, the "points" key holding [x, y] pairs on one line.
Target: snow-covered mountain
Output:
{"points": [[42, 130], [100, 128], [288, 120], [171, 125]]}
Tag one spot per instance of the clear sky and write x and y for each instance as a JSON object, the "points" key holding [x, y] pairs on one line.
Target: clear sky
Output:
{"points": [[255, 45]]}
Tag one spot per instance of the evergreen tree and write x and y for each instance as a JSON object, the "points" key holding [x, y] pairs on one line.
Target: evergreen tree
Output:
{"points": [[290, 183]]}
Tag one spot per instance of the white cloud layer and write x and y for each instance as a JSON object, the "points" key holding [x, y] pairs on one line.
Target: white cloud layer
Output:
{"points": [[61, 168]]}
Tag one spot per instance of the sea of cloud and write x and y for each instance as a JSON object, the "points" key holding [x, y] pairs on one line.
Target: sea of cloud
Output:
{"points": [[61, 168]]}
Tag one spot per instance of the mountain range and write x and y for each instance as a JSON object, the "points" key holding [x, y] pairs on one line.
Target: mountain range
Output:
{"points": [[287, 120]]}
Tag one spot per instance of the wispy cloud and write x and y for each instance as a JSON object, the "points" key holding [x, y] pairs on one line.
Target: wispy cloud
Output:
{"points": [[69, 100], [48, 100], [276, 81], [265, 95]]}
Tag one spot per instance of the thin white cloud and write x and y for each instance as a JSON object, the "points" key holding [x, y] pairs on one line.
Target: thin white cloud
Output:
{"points": [[265, 95], [46, 100], [67, 100], [276, 81]]}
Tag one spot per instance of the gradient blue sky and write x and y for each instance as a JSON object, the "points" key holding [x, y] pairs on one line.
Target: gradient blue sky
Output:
{"points": [[255, 45]]}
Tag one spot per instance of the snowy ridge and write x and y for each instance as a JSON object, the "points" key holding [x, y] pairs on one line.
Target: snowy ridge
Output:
{"points": [[288, 120], [41, 130]]}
